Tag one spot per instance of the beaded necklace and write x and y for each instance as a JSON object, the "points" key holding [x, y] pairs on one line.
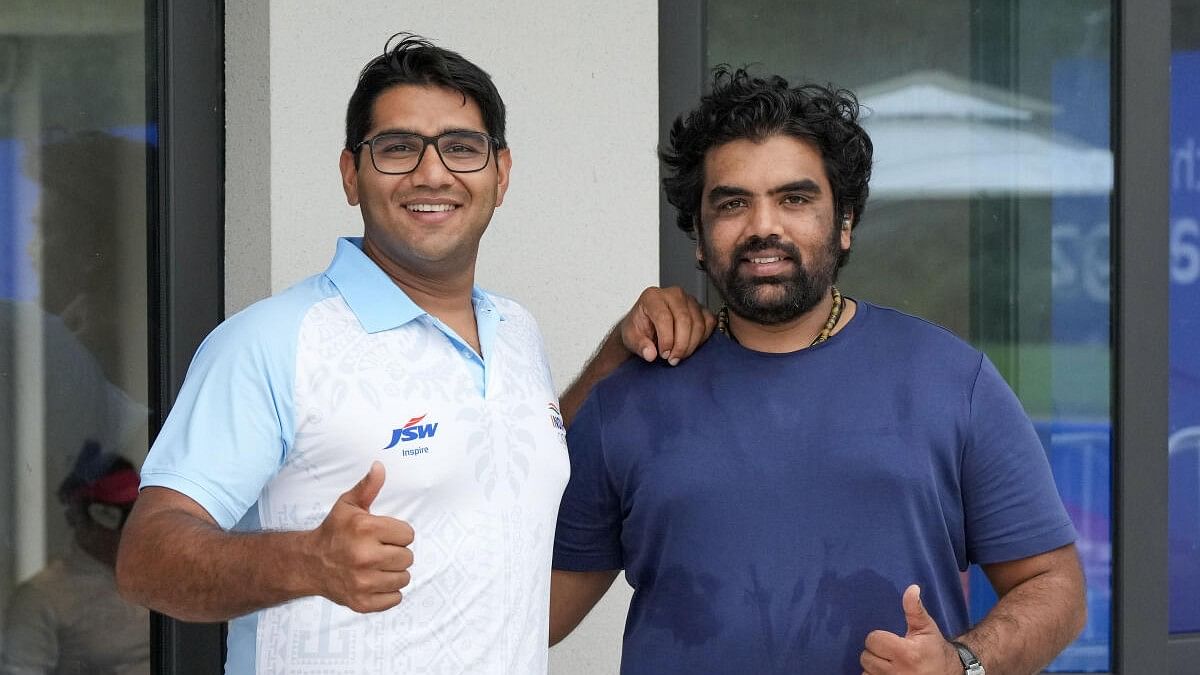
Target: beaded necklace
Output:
{"points": [[835, 313]]}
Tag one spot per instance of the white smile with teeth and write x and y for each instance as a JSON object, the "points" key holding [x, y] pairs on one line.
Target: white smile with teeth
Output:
{"points": [[431, 207], [766, 261]]}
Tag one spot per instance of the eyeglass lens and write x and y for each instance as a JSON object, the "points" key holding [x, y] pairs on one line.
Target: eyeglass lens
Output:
{"points": [[460, 151]]}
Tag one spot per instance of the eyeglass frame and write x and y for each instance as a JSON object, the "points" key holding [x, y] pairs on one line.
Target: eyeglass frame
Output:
{"points": [[426, 141]]}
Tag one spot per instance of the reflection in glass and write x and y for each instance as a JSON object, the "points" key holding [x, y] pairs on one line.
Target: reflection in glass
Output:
{"points": [[989, 205], [73, 352]]}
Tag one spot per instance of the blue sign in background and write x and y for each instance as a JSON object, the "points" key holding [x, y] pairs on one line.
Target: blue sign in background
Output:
{"points": [[1184, 528]]}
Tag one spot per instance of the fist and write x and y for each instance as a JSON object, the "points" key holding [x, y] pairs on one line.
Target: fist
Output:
{"points": [[921, 651], [363, 559]]}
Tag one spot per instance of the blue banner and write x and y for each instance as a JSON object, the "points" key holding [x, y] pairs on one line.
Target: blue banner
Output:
{"points": [[1184, 442]]}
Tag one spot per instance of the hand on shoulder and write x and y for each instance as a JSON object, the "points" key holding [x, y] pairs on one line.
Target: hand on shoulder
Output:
{"points": [[667, 323]]}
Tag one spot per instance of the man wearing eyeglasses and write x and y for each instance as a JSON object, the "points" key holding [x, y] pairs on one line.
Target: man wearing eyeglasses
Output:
{"points": [[383, 439]]}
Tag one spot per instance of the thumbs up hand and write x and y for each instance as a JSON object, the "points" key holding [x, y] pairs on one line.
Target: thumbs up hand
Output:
{"points": [[921, 651], [361, 560]]}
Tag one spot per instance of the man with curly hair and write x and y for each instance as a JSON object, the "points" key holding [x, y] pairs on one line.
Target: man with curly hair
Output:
{"points": [[803, 493]]}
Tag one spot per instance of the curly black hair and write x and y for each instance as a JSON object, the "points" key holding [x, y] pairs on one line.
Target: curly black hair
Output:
{"points": [[415, 60], [742, 106]]}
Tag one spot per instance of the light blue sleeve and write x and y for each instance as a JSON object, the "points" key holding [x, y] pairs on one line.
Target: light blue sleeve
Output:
{"points": [[234, 420]]}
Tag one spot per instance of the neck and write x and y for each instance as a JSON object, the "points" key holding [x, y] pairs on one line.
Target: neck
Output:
{"points": [[445, 295], [441, 294], [794, 335]]}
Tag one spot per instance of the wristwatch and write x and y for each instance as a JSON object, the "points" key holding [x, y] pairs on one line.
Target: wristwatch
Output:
{"points": [[971, 664]]}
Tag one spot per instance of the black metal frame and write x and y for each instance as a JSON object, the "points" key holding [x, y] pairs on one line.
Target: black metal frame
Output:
{"points": [[1141, 260], [1141, 40], [185, 44]]}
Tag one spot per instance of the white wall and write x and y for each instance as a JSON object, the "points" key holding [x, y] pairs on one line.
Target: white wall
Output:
{"points": [[576, 239]]}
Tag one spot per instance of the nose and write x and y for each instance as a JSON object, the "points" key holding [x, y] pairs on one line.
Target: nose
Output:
{"points": [[430, 171], [763, 220]]}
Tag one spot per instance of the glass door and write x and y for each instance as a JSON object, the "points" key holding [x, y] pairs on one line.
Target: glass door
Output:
{"points": [[74, 353], [111, 270]]}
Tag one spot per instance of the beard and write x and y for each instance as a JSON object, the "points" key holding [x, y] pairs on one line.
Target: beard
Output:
{"points": [[779, 298]]}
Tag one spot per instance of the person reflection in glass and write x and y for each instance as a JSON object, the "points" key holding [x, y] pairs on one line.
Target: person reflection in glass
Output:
{"points": [[68, 618]]}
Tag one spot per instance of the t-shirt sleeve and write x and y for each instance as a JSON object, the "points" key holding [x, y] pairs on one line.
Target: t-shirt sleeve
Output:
{"points": [[588, 537], [1013, 509], [231, 425]]}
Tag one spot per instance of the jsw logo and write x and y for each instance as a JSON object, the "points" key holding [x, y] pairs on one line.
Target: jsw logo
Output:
{"points": [[412, 431]]}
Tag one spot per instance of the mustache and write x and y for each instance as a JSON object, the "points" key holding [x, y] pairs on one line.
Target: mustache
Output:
{"points": [[773, 242]]}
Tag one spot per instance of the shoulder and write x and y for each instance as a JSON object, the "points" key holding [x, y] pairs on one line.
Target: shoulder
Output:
{"points": [[921, 340], [902, 324], [262, 339], [509, 308], [40, 588], [519, 323], [270, 318], [267, 330], [690, 377]]}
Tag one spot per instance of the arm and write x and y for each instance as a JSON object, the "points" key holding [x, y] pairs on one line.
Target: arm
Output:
{"points": [[1040, 610], [572, 596], [664, 322], [175, 559]]}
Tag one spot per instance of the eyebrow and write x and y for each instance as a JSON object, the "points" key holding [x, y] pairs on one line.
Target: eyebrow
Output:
{"points": [[804, 185]]}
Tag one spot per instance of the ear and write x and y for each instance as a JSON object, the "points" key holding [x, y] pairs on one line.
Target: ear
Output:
{"points": [[845, 232], [347, 165], [699, 240], [107, 516], [503, 167]]}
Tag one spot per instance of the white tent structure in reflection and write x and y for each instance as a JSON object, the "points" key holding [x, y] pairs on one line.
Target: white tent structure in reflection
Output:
{"points": [[940, 137]]}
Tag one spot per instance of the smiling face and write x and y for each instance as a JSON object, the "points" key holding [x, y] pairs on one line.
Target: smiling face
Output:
{"points": [[768, 236], [429, 221]]}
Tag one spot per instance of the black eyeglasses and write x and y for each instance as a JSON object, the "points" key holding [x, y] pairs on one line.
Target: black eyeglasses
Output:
{"points": [[460, 151]]}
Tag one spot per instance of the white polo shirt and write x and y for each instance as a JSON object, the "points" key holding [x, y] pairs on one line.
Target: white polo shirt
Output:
{"points": [[284, 408]]}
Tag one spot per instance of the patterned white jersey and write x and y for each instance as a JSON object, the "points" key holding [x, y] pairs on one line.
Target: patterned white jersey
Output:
{"points": [[288, 403]]}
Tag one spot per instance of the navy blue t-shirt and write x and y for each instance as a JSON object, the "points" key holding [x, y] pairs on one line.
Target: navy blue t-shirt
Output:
{"points": [[770, 509]]}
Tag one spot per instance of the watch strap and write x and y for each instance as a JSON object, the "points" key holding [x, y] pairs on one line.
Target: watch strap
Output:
{"points": [[970, 662]]}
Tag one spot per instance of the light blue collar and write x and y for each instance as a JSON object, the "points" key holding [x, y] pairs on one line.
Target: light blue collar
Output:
{"points": [[376, 300]]}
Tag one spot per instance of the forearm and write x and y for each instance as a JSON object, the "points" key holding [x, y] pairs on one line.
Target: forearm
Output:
{"points": [[192, 570], [1031, 624], [611, 354], [572, 596]]}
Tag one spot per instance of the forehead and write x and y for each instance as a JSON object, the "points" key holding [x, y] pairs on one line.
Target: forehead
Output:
{"points": [[764, 164], [425, 109]]}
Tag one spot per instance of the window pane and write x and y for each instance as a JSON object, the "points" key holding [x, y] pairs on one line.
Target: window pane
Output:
{"points": [[1184, 532], [73, 327], [989, 205]]}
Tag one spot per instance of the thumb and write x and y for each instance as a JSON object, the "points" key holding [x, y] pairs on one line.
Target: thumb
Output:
{"points": [[918, 620], [638, 335], [366, 490]]}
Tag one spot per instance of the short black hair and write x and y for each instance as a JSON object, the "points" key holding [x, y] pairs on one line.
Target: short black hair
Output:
{"points": [[742, 106], [415, 60]]}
